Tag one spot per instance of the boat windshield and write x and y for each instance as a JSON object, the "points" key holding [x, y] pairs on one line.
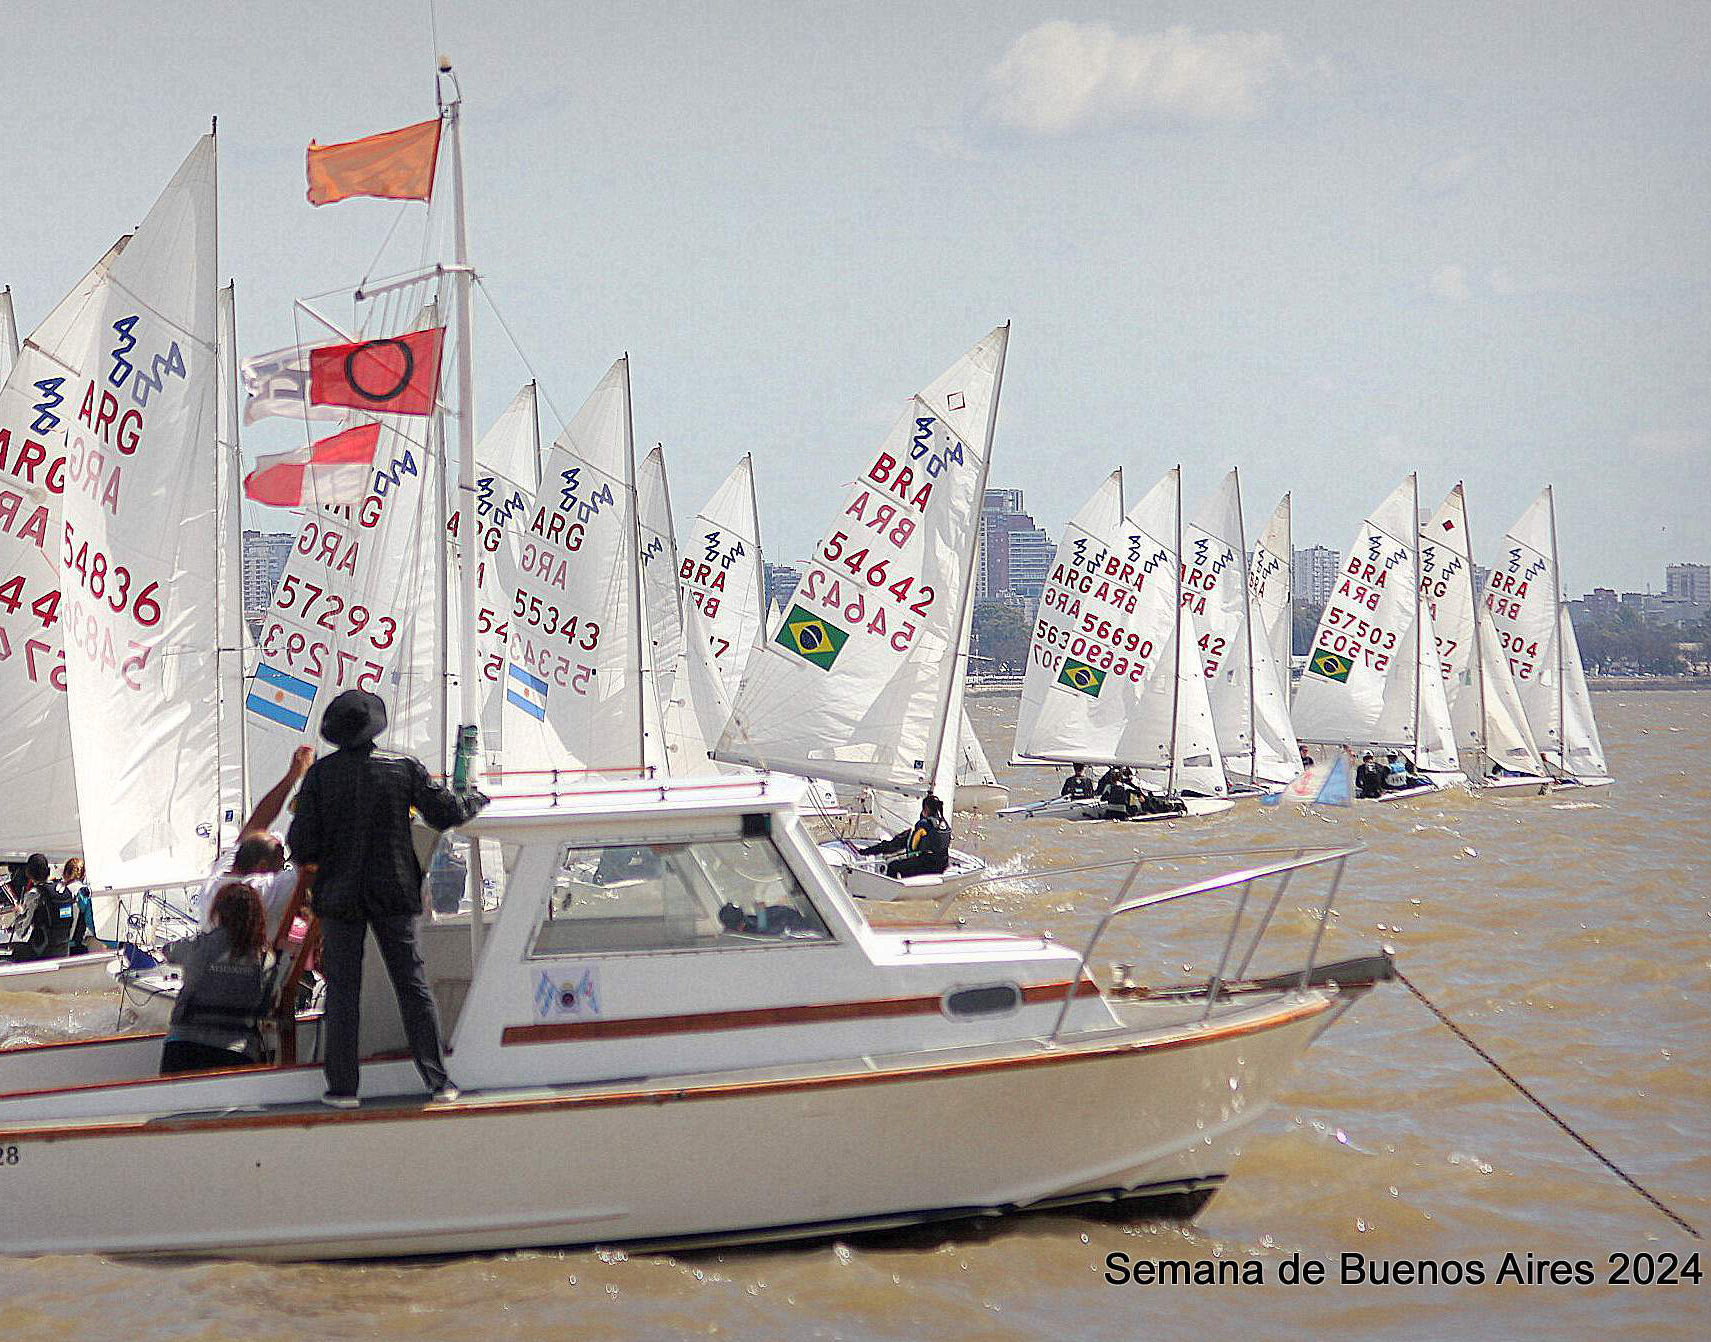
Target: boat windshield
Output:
{"points": [[702, 894]]}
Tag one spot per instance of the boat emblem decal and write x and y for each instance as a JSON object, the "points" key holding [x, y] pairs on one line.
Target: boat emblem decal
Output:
{"points": [[811, 637], [1080, 676], [1330, 665], [571, 992]]}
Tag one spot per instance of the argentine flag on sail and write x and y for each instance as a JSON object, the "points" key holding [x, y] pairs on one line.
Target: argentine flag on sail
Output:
{"points": [[281, 698], [528, 692], [1323, 785]]}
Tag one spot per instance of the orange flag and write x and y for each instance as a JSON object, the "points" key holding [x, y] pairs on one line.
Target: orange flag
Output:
{"points": [[394, 165]]}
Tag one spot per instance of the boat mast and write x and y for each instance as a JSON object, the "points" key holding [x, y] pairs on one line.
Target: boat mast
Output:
{"points": [[1484, 743], [760, 558], [1247, 629], [1288, 599], [640, 614], [1556, 633], [535, 426], [442, 584], [469, 703], [1419, 604], [965, 618], [1176, 651]]}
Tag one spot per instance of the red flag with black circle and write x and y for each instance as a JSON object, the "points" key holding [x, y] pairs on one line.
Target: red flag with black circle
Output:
{"points": [[394, 375]]}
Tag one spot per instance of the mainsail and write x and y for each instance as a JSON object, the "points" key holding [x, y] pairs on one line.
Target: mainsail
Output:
{"points": [[1109, 679], [355, 609], [1485, 709], [228, 589], [1248, 693], [662, 599], [723, 578], [573, 684], [1271, 585], [139, 543], [1372, 674], [35, 730], [1524, 597], [859, 681]]}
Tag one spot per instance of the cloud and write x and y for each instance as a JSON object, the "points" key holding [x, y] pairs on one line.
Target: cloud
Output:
{"points": [[1450, 284], [1062, 77]]}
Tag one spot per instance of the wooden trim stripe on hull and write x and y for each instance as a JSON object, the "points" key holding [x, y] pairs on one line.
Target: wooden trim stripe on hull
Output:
{"points": [[316, 1116], [819, 1013]]}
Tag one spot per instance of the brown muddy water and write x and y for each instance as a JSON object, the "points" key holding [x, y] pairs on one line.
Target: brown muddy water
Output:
{"points": [[1570, 934]]}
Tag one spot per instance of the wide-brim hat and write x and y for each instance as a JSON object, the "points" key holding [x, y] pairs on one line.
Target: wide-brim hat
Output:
{"points": [[354, 718]]}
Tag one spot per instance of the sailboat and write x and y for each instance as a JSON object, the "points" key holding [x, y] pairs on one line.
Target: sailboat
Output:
{"points": [[576, 694], [861, 681], [1372, 677], [1248, 691], [1485, 708], [1114, 675], [1536, 635]]}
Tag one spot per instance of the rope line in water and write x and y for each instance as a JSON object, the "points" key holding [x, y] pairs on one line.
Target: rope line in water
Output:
{"points": [[1542, 1107]]}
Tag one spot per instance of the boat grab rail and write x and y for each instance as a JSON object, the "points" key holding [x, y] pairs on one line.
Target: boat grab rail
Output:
{"points": [[1284, 868]]}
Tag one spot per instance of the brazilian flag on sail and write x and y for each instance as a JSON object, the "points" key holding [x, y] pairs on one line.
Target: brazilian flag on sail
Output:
{"points": [[1081, 676], [1330, 665], [811, 637]]}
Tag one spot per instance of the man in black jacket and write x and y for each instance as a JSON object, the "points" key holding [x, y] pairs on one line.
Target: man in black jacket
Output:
{"points": [[353, 827], [925, 845]]}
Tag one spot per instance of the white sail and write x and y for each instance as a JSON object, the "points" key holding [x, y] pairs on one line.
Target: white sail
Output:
{"points": [[1108, 678], [1434, 735], [1271, 586], [573, 685], [1523, 597], [858, 681], [1174, 715], [720, 565], [1580, 728], [1248, 694], [1362, 669], [662, 598], [697, 709], [508, 466], [1485, 709], [138, 561], [8, 334], [228, 589], [35, 730], [356, 608]]}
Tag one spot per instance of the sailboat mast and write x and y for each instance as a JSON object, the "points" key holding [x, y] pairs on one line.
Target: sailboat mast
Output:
{"points": [[535, 428], [1247, 628], [1484, 743], [468, 687], [1419, 601], [1288, 599], [1556, 633], [639, 615], [1176, 642], [959, 658], [231, 615], [442, 585], [760, 557]]}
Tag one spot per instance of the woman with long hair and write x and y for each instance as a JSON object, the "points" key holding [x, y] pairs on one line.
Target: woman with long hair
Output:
{"points": [[228, 983]]}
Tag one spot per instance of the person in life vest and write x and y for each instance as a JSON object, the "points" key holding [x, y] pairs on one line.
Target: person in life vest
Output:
{"points": [[1078, 785], [42, 929], [83, 919], [925, 845], [227, 987]]}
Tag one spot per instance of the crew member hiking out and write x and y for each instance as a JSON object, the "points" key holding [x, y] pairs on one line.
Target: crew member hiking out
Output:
{"points": [[925, 845], [353, 827]]}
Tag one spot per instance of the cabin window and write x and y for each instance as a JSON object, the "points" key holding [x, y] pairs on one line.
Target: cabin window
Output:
{"points": [[996, 999], [703, 894]]}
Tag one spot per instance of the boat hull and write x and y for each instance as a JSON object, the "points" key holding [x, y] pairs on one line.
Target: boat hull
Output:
{"points": [[90, 973], [865, 878], [1073, 808], [728, 1158]]}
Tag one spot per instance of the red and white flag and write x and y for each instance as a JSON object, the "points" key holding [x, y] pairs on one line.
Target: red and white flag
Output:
{"points": [[333, 470], [394, 375]]}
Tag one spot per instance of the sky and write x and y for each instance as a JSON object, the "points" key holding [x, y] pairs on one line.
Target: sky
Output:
{"points": [[1329, 243]]}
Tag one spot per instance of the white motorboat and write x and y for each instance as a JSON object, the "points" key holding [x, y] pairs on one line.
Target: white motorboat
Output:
{"points": [[680, 1028]]}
